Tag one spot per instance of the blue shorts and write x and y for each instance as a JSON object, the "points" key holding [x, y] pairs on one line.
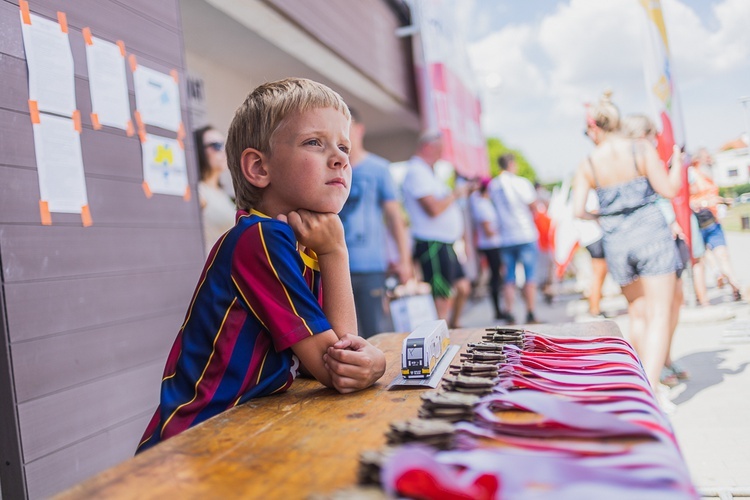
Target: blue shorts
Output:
{"points": [[713, 236], [526, 254]]}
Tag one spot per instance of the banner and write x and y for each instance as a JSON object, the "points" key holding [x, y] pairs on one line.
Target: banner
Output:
{"points": [[662, 92], [447, 93]]}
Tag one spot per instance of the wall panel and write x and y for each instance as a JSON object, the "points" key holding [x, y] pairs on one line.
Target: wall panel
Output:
{"points": [[66, 417], [89, 313], [68, 466]]}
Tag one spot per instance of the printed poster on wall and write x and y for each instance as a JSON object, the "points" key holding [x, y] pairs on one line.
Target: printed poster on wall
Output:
{"points": [[157, 98], [50, 63], [110, 102], [59, 161], [164, 166]]}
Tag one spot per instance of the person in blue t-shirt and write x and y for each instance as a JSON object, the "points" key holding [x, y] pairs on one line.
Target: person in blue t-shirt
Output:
{"points": [[371, 211]]}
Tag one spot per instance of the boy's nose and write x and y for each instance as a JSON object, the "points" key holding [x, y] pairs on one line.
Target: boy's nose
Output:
{"points": [[340, 159]]}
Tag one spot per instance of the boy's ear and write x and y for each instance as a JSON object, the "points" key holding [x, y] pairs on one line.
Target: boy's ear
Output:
{"points": [[254, 169]]}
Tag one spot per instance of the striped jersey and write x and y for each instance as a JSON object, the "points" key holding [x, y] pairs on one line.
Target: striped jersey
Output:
{"points": [[257, 295]]}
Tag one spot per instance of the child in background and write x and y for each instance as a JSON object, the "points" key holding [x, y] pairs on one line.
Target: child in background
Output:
{"points": [[275, 295]]}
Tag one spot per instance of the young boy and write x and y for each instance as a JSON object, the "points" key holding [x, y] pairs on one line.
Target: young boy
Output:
{"points": [[259, 312]]}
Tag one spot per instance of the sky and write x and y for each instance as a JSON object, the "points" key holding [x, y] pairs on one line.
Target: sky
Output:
{"points": [[537, 62]]}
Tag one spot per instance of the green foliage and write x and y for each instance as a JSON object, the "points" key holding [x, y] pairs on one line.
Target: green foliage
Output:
{"points": [[734, 191], [496, 148]]}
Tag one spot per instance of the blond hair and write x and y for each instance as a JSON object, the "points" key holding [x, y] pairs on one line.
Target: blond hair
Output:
{"points": [[638, 126], [605, 114], [258, 118]]}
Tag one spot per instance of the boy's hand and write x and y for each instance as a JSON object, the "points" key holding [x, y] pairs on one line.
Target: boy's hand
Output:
{"points": [[354, 363], [323, 233]]}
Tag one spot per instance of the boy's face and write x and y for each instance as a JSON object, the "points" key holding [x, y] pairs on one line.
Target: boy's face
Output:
{"points": [[309, 164]]}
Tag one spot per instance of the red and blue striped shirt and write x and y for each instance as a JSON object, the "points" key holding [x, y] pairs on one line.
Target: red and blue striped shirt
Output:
{"points": [[257, 296]]}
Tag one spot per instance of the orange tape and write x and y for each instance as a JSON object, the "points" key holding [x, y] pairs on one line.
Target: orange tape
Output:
{"points": [[147, 189], [138, 121], [95, 121], [142, 136], [121, 44], [86, 216], [86, 32], [180, 143], [63, 20], [133, 62], [175, 76], [77, 121], [186, 196], [44, 213], [130, 130], [181, 131], [34, 110], [25, 14]]}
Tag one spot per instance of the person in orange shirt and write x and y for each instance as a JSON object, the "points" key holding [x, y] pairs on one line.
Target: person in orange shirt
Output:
{"points": [[704, 198]]}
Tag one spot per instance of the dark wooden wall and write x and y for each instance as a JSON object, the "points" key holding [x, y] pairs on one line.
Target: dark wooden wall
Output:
{"points": [[362, 32], [88, 314]]}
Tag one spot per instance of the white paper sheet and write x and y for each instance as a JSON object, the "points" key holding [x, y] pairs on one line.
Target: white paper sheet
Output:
{"points": [[50, 62], [157, 98], [164, 167], [60, 164], [108, 83]]}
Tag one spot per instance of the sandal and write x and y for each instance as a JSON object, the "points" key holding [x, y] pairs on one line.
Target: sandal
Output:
{"points": [[668, 378], [737, 295], [678, 371]]}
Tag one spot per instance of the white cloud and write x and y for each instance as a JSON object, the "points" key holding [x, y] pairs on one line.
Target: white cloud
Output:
{"points": [[550, 68]]}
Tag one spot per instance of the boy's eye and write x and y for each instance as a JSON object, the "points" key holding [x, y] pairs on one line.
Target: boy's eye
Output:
{"points": [[344, 149], [313, 142]]}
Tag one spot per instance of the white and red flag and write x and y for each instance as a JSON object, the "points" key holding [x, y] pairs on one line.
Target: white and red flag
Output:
{"points": [[448, 96], [660, 84]]}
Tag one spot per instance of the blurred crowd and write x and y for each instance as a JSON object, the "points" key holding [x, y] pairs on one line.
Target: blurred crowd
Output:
{"points": [[461, 235]]}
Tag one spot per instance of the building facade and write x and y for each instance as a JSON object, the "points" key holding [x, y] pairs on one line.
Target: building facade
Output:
{"points": [[89, 313]]}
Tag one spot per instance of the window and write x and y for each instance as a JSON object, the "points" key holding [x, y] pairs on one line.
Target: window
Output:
{"points": [[732, 172]]}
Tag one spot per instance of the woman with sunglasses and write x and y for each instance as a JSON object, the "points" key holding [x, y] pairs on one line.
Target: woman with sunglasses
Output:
{"points": [[628, 177], [217, 208]]}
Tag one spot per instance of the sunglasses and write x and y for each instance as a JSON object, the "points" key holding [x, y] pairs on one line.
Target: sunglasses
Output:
{"points": [[216, 146]]}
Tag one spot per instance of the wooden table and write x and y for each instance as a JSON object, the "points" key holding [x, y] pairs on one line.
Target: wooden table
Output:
{"points": [[291, 445]]}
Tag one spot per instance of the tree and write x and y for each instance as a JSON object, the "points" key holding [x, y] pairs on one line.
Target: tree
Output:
{"points": [[496, 148]]}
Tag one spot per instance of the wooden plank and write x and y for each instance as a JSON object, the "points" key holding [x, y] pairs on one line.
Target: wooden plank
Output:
{"points": [[16, 139], [113, 21], [49, 252], [86, 303], [362, 34], [112, 202], [62, 469], [245, 452], [54, 422], [165, 12], [11, 40], [51, 364], [15, 94], [12, 475]]}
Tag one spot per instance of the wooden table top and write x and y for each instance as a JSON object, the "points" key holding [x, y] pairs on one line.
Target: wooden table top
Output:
{"points": [[290, 445]]}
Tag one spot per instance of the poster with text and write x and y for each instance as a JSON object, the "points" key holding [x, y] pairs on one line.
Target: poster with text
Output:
{"points": [[164, 166], [157, 98], [50, 63], [60, 164], [109, 86]]}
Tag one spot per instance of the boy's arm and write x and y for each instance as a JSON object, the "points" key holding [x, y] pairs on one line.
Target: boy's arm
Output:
{"points": [[324, 234], [347, 365], [323, 354]]}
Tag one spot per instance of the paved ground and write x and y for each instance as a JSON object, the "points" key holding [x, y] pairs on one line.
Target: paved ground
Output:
{"points": [[712, 420]]}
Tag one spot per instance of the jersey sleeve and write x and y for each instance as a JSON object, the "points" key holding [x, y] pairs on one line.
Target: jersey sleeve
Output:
{"points": [[270, 276]]}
